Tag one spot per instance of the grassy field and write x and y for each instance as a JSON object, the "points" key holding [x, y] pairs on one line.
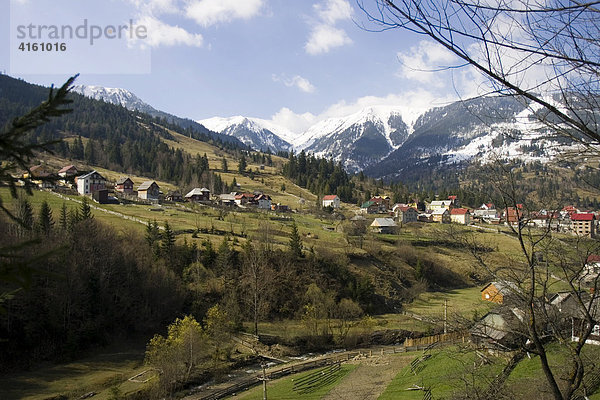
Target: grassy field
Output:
{"points": [[444, 373], [100, 374], [283, 388], [461, 302]]}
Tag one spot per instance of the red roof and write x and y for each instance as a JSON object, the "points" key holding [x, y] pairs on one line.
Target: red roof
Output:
{"points": [[65, 169], [452, 198], [593, 258], [459, 211], [582, 217], [330, 197]]}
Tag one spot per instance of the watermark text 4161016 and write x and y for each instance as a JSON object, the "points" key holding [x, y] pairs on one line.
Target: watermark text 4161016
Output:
{"points": [[85, 39]]}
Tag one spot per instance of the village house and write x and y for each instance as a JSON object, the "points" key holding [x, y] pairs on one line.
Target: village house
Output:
{"points": [[513, 216], [440, 205], [424, 217], [460, 216], [280, 207], [227, 199], [124, 185], [498, 329], [441, 215], [89, 183], [583, 224], [174, 196], [242, 199], [331, 200], [370, 207], [149, 190], [41, 175], [486, 213], [263, 201], [68, 171], [569, 310], [383, 225], [454, 200], [406, 214], [382, 201], [592, 265], [499, 292], [198, 194]]}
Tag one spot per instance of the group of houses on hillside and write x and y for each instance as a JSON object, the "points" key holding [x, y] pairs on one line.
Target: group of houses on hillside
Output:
{"points": [[102, 190], [505, 326], [568, 219]]}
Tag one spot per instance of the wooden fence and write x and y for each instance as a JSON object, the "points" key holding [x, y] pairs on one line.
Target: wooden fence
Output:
{"points": [[441, 338]]}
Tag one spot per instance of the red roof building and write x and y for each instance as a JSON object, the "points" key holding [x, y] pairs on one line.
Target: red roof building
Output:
{"points": [[583, 224]]}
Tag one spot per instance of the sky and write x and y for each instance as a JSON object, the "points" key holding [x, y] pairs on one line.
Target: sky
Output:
{"points": [[294, 62]]}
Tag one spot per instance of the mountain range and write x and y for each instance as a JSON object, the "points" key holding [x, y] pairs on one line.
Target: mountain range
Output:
{"points": [[387, 141]]}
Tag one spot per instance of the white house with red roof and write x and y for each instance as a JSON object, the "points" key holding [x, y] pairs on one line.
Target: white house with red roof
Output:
{"points": [[331, 200], [460, 216]]}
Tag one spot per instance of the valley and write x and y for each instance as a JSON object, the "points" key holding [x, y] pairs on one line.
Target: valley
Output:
{"points": [[287, 254]]}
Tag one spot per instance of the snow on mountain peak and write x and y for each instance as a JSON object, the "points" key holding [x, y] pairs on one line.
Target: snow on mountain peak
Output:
{"points": [[118, 96]]}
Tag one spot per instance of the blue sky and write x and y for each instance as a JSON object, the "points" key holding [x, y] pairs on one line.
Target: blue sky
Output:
{"points": [[291, 61]]}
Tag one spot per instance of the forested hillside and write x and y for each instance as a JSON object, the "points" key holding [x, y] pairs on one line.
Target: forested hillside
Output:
{"points": [[111, 136]]}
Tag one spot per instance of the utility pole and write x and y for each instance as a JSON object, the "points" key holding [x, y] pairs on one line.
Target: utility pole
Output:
{"points": [[445, 316], [264, 379]]}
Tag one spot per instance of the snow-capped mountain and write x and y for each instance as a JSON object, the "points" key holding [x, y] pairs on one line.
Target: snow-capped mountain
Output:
{"points": [[130, 101], [254, 132], [115, 96], [358, 140]]}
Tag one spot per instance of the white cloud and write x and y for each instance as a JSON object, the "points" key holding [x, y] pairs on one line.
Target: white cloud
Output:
{"points": [[324, 35], [411, 104], [211, 12], [297, 81], [333, 10], [161, 34], [423, 62], [323, 38], [294, 122]]}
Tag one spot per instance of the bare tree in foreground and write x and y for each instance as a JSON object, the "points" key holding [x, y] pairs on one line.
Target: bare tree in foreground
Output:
{"points": [[548, 55]]}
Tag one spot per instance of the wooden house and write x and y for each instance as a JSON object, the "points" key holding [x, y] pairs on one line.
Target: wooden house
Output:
{"points": [[383, 225], [149, 190], [499, 291], [174, 196], [124, 185], [198, 195]]}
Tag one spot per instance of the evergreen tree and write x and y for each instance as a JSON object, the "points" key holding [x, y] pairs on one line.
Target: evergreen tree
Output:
{"points": [[167, 243], [77, 149], [85, 210], [224, 167], [90, 156], [152, 233], [242, 165], [74, 218], [64, 218], [24, 215], [295, 242], [45, 220]]}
